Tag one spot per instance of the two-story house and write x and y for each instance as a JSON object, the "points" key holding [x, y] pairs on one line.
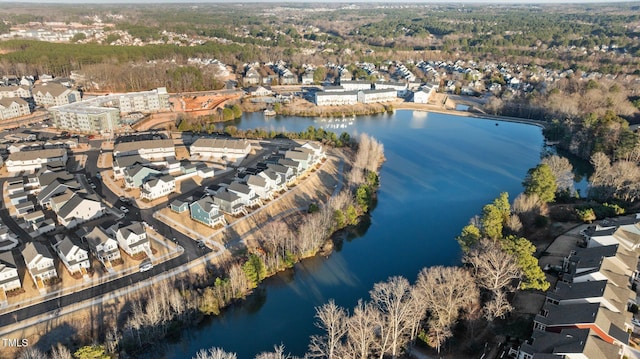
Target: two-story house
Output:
{"points": [[133, 238], [206, 211], [9, 278], [73, 255], [102, 246], [40, 263]]}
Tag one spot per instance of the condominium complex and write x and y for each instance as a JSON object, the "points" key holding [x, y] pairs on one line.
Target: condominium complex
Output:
{"points": [[102, 114]]}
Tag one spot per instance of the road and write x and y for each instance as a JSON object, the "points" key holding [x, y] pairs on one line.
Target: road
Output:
{"points": [[169, 269]]}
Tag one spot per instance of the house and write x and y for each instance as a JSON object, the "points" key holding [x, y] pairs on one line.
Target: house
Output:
{"points": [[626, 233], [9, 278], [78, 209], [616, 299], [103, 247], [206, 211], [229, 149], [251, 77], [56, 202], [39, 261], [424, 95], [45, 176], [247, 195], [123, 162], [205, 171], [136, 175], [23, 208], [582, 343], [133, 239], [56, 188], [148, 149], [610, 326], [12, 107], [229, 202], [158, 187], [54, 94], [33, 217], [286, 174], [307, 78], [259, 91], [179, 206], [599, 263], [294, 165], [262, 186], [316, 150], [34, 160], [73, 255], [8, 239], [42, 227], [304, 158]]}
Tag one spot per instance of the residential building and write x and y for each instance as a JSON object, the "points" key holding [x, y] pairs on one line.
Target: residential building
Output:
{"points": [[56, 188], [148, 149], [34, 160], [331, 98], [78, 209], [14, 91], [355, 85], [612, 263], [73, 255], [377, 96], [570, 343], [158, 187], [259, 91], [80, 117], [133, 238], [262, 187], [9, 278], [229, 149], [40, 263], [103, 247], [616, 299], [54, 94], [247, 195], [425, 94], [145, 102], [401, 88], [179, 206], [12, 107], [229, 202], [304, 158], [136, 175], [206, 211], [123, 162]]}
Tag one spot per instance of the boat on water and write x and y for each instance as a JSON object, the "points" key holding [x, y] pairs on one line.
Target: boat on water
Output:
{"points": [[269, 112]]}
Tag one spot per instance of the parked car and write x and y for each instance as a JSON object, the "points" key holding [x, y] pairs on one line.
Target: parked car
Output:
{"points": [[124, 209], [145, 266]]}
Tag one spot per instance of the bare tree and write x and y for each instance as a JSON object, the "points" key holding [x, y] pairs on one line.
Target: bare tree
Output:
{"points": [[31, 353], [446, 292], [393, 300], [562, 171], [361, 331], [493, 269], [277, 353], [214, 353], [332, 319], [497, 306], [60, 352]]}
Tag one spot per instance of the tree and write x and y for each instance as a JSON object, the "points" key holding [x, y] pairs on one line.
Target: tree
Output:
{"points": [[214, 353], [277, 353], [495, 270], [446, 292], [393, 300], [540, 180], [469, 237], [254, 269], [492, 221], [332, 319], [319, 75], [562, 171], [31, 353], [60, 352], [523, 249], [361, 331]]}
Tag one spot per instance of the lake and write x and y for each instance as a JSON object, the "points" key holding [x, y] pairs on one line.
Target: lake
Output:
{"points": [[440, 170]]}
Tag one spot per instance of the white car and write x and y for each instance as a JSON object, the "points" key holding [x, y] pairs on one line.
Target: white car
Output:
{"points": [[124, 209], [145, 266]]}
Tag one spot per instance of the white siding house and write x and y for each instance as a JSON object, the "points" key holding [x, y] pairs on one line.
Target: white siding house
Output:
{"points": [[158, 187], [34, 160], [74, 257], [231, 149], [39, 263], [9, 278], [133, 239]]}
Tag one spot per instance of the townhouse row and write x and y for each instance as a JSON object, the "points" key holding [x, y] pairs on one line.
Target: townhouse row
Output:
{"points": [[588, 314]]}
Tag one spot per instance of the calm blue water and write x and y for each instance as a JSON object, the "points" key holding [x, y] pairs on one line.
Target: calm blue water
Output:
{"points": [[440, 171]]}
